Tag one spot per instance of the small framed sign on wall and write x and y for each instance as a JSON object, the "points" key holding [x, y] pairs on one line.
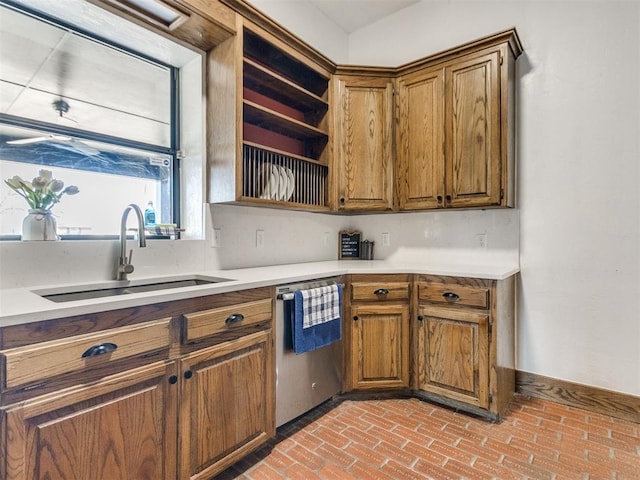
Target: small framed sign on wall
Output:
{"points": [[349, 245]]}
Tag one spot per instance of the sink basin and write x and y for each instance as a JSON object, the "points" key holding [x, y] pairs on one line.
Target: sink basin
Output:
{"points": [[71, 294]]}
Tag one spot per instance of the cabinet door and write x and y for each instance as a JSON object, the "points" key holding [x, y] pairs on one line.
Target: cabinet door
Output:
{"points": [[453, 354], [380, 346], [472, 131], [227, 404], [123, 426], [364, 143], [419, 140]]}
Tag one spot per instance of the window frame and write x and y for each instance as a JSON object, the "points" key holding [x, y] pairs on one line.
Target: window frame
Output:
{"points": [[173, 151]]}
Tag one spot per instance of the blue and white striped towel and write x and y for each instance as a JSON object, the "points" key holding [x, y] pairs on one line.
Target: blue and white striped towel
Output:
{"points": [[317, 317], [320, 305]]}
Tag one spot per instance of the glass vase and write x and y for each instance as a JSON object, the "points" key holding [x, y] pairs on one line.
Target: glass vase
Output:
{"points": [[39, 224]]}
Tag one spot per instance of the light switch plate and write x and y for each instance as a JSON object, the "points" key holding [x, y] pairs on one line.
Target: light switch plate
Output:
{"points": [[216, 241], [386, 239]]}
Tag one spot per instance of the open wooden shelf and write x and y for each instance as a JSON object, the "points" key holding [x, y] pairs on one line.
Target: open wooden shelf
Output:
{"points": [[285, 65], [272, 120], [269, 83]]}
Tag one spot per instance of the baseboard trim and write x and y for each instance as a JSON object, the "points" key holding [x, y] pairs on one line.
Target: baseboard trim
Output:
{"points": [[594, 399]]}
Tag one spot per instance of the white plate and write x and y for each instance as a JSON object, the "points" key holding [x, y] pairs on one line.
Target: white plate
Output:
{"points": [[283, 185], [291, 182], [265, 180], [274, 181]]}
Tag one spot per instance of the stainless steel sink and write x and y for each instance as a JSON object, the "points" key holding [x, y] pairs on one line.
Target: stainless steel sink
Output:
{"points": [[71, 294]]}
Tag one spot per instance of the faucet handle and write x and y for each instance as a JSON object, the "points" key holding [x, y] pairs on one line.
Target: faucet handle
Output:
{"points": [[129, 259]]}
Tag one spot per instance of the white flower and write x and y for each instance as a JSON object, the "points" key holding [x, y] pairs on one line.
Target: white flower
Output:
{"points": [[55, 186], [44, 192], [39, 182]]}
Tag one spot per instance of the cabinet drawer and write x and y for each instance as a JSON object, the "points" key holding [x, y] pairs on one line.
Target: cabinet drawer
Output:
{"points": [[379, 291], [452, 294], [217, 320], [37, 362]]}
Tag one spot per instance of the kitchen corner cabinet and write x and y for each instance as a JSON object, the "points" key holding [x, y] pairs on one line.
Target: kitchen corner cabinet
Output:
{"points": [[377, 332], [455, 127], [363, 142], [115, 394], [465, 343], [268, 116]]}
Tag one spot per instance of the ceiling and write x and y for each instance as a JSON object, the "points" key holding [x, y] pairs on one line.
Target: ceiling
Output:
{"points": [[107, 91], [351, 15]]}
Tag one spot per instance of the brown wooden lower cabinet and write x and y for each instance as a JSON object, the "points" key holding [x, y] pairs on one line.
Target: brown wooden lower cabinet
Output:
{"points": [[380, 346], [453, 354], [226, 406], [120, 427], [445, 339], [464, 353], [377, 332], [174, 409]]}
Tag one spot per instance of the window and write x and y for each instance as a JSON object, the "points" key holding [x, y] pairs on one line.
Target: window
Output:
{"points": [[99, 116]]}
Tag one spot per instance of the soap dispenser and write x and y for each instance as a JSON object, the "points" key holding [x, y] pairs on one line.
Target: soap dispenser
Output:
{"points": [[149, 215]]}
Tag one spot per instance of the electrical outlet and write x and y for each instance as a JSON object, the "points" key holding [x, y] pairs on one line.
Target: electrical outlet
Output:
{"points": [[216, 241], [386, 239], [327, 237], [259, 239], [481, 239]]}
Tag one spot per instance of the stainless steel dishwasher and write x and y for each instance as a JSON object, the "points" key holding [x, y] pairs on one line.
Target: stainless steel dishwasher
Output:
{"points": [[306, 380]]}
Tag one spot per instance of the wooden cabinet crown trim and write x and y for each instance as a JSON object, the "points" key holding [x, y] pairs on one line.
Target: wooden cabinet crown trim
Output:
{"points": [[510, 36]]}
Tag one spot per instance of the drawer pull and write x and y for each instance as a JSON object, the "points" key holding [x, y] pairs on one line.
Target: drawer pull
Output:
{"points": [[420, 318], [356, 318], [234, 318], [101, 349], [450, 296], [381, 291]]}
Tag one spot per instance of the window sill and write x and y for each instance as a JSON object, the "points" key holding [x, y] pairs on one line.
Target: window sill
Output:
{"points": [[17, 238]]}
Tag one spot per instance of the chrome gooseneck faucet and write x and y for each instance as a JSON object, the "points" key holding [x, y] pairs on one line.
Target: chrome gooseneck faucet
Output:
{"points": [[124, 263]]}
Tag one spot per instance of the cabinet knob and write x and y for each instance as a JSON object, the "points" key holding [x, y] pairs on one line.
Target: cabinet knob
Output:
{"points": [[234, 318], [342, 200], [381, 291], [355, 317], [188, 374], [173, 379], [448, 198], [420, 317], [450, 296], [439, 198], [101, 349]]}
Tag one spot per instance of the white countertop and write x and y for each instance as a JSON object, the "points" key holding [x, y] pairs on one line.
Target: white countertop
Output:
{"points": [[25, 305]]}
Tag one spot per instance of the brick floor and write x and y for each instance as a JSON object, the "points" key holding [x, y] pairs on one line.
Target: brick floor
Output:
{"points": [[411, 439]]}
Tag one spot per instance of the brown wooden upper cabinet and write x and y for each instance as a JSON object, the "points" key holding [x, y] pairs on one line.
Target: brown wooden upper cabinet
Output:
{"points": [[451, 118], [364, 142]]}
